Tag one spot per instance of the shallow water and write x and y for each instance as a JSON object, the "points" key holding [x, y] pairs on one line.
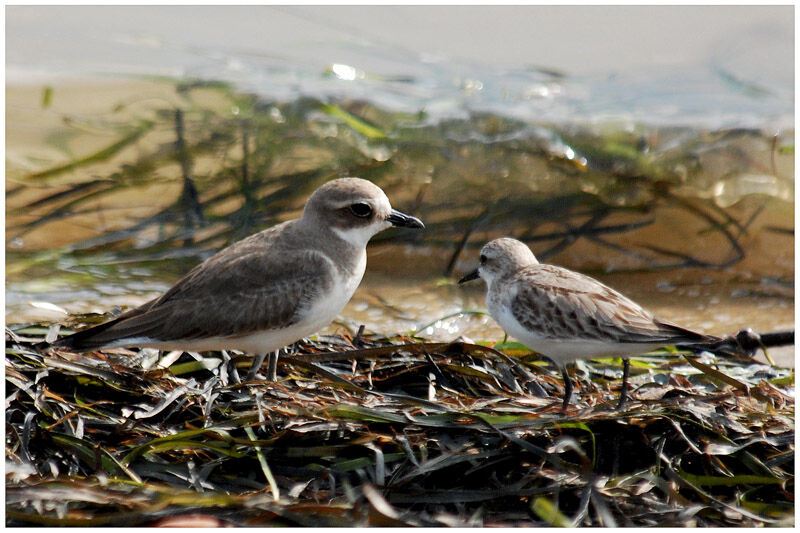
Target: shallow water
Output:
{"points": [[732, 66], [653, 186], [79, 262]]}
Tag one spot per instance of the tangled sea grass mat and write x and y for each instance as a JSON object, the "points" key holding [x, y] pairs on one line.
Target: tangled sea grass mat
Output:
{"points": [[371, 431]]}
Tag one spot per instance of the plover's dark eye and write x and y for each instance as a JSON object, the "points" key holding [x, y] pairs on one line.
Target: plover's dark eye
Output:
{"points": [[483, 259], [361, 210]]}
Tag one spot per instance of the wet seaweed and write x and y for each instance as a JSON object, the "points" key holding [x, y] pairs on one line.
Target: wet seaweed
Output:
{"points": [[372, 431], [365, 430]]}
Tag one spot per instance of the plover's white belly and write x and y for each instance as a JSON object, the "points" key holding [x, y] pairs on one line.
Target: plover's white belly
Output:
{"points": [[263, 341], [563, 349], [319, 314]]}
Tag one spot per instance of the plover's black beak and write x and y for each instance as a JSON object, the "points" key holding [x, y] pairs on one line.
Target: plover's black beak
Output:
{"points": [[402, 220], [469, 277]]}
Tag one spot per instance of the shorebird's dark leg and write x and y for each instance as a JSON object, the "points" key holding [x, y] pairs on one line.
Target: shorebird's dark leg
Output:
{"points": [[623, 394], [257, 362], [567, 381], [567, 387]]}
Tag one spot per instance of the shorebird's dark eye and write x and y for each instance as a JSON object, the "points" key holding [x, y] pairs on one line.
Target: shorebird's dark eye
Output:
{"points": [[483, 259], [361, 210]]}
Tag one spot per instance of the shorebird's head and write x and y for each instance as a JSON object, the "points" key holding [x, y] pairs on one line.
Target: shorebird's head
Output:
{"points": [[500, 258], [355, 210]]}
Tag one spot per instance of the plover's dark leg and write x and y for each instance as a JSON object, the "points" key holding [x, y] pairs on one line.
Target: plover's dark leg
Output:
{"points": [[230, 368], [257, 361], [272, 372], [623, 394]]}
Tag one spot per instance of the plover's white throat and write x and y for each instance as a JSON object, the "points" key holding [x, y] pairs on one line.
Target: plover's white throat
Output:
{"points": [[267, 290], [565, 315]]}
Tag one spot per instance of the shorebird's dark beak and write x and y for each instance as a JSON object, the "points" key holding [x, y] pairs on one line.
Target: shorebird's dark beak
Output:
{"points": [[469, 277], [402, 220]]}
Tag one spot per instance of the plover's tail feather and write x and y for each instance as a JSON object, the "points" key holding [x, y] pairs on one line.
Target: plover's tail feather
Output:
{"points": [[99, 336]]}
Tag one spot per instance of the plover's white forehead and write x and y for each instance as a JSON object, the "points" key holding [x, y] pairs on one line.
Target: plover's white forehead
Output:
{"points": [[344, 192], [352, 208]]}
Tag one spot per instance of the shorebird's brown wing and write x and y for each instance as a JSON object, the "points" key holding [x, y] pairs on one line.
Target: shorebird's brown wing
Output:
{"points": [[243, 290], [560, 303]]}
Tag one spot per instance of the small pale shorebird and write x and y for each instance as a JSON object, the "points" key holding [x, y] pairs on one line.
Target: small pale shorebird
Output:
{"points": [[267, 290], [565, 315]]}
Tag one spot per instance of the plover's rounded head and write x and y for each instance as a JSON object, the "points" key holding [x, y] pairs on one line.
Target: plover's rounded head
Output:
{"points": [[354, 209], [500, 258]]}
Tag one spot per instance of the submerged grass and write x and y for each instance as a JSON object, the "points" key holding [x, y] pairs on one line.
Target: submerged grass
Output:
{"points": [[371, 431], [224, 163]]}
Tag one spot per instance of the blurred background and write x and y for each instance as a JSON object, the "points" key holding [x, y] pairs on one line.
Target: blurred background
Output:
{"points": [[651, 147]]}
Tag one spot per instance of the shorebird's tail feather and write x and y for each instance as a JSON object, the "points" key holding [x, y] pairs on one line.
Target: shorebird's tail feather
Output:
{"points": [[686, 337]]}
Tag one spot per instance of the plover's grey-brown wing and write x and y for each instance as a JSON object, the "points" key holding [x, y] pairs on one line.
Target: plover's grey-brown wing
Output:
{"points": [[557, 303], [248, 287], [269, 289]]}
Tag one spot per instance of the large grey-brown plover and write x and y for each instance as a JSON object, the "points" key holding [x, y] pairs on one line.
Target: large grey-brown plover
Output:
{"points": [[267, 290], [566, 316]]}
